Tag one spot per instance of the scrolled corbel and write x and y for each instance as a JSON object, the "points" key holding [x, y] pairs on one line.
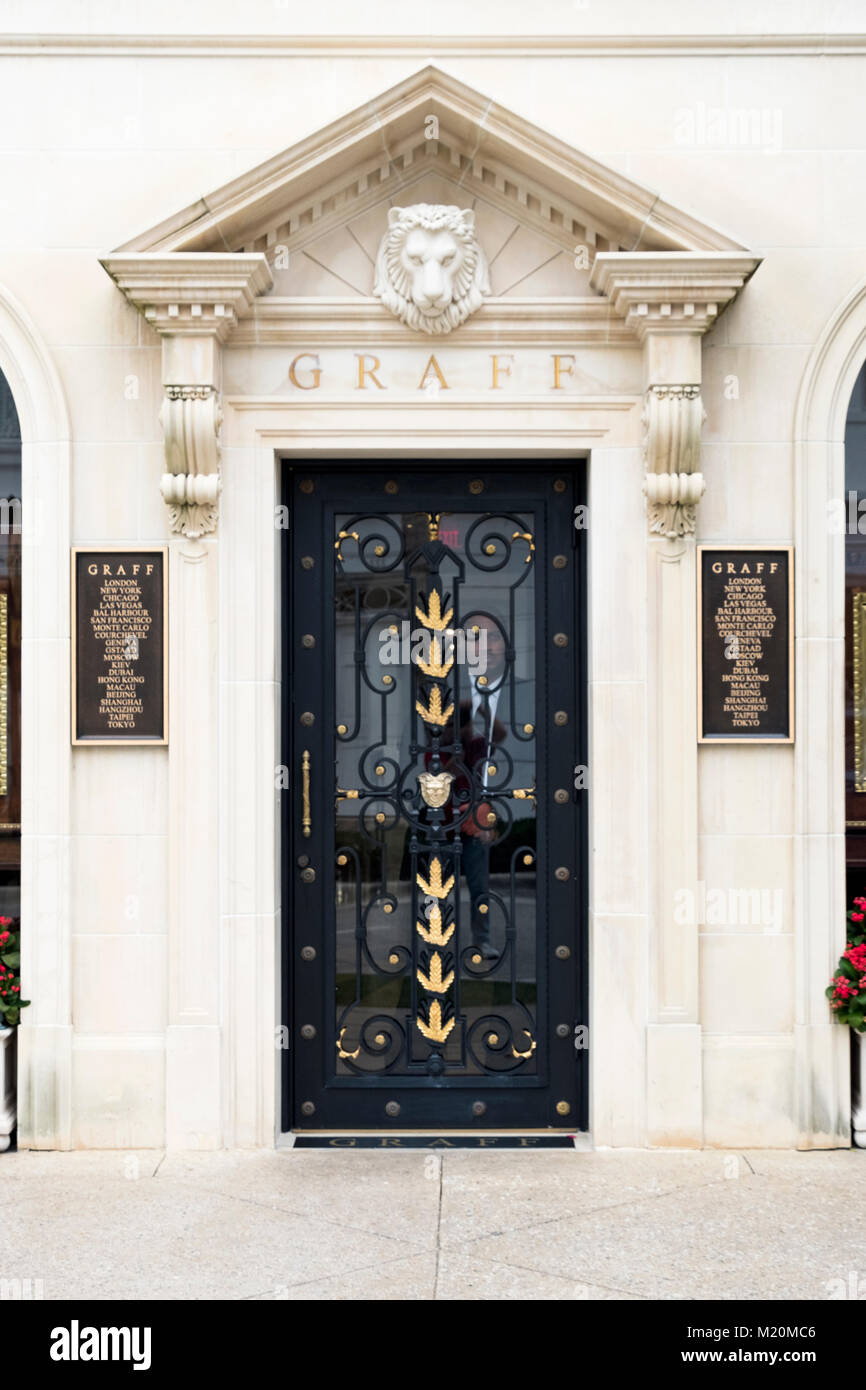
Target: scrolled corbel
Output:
{"points": [[190, 419], [672, 417]]}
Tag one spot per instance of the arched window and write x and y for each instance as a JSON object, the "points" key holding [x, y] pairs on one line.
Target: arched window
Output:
{"points": [[10, 654], [855, 637]]}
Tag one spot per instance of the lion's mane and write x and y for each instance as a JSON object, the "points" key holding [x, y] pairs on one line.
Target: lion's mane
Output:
{"points": [[393, 283]]}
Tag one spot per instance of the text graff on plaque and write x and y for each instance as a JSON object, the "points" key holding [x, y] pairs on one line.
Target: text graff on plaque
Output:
{"points": [[119, 645], [745, 644]]}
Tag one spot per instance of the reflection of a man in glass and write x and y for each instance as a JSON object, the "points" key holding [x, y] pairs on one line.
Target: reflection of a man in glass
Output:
{"points": [[479, 732]]}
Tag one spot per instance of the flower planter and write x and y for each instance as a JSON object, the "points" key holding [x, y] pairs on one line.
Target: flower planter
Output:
{"points": [[858, 1111], [847, 995], [7, 1085]]}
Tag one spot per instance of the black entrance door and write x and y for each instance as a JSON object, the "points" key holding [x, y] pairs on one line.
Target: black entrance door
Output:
{"points": [[434, 865]]}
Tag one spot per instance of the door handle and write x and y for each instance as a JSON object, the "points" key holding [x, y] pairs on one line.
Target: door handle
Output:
{"points": [[306, 819]]}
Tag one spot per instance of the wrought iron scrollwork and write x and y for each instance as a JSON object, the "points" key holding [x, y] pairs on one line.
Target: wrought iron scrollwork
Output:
{"points": [[451, 794]]}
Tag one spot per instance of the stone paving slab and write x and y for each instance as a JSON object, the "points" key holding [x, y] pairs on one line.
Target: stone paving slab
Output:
{"points": [[459, 1225]]}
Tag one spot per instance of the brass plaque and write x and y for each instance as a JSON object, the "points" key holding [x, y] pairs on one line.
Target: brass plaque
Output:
{"points": [[120, 645], [745, 644]]}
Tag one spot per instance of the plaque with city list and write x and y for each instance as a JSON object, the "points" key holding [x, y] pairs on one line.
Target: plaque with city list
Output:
{"points": [[745, 644], [119, 631]]}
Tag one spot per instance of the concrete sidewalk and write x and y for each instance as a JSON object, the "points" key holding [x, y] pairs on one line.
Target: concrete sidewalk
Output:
{"points": [[343, 1224]]}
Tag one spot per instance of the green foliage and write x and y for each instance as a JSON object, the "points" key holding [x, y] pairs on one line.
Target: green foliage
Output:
{"points": [[11, 1002], [847, 989]]}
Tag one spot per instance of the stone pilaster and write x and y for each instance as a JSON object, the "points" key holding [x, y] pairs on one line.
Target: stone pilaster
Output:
{"points": [[193, 302], [670, 300], [190, 487]]}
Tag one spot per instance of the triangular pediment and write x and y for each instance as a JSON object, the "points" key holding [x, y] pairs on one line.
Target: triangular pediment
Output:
{"points": [[523, 259], [543, 209]]}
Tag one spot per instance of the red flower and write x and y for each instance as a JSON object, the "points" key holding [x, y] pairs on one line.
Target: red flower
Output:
{"points": [[856, 955], [843, 989]]}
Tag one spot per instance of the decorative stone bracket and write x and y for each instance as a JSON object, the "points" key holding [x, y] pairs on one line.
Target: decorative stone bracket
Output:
{"points": [[670, 299], [672, 418], [194, 301], [190, 419]]}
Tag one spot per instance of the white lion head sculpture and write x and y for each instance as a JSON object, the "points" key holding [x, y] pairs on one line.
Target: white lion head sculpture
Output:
{"points": [[430, 270]]}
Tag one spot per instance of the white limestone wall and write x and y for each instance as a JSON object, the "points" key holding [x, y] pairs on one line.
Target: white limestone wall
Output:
{"points": [[97, 144]]}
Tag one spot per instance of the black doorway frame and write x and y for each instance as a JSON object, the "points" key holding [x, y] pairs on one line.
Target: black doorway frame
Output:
{"points": [[576, 471]]}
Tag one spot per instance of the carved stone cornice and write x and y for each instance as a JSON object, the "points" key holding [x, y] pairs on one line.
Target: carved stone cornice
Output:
{"points": [[669, 300], [672, 419], [194, 302], [178, 294], [670, 291]]}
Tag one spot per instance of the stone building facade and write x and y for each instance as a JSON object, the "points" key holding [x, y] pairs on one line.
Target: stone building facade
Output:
{"points": [[197, 308]]}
